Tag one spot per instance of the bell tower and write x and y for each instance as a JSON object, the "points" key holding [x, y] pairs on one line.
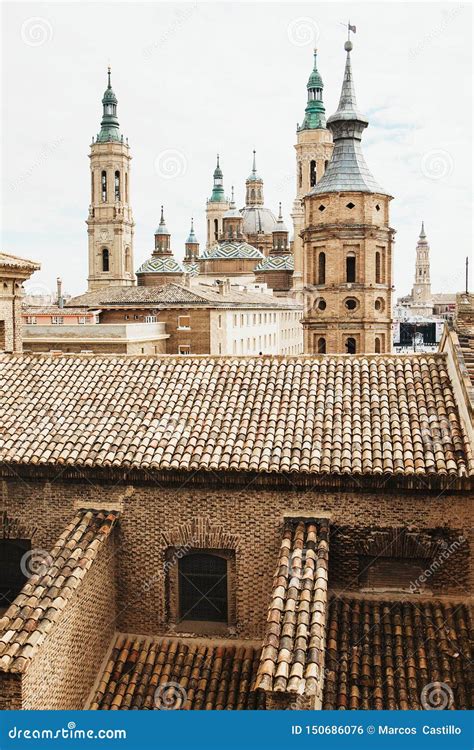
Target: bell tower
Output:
{"points": [[422, 301], [313, 152], [110, 223], [216, 207], [348, 242]]}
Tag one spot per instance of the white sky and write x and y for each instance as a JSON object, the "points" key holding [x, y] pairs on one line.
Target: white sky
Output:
{"points": [[203, 78]]}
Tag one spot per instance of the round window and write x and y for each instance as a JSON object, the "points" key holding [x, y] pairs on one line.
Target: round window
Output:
{"points": [[351, 303], [379, 304], [321, 304]]}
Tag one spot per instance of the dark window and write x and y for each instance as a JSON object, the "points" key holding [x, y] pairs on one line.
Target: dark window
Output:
{"points": [[312, 173], [322, 346], [377, 268], [351, 303], [350, 346], [203, 587], [326, 164], [216, 229], [390, 572], [350, 205], [322, 268], [322, 208], [105, 259], [104, 187], [377, 207], [350, 269], [12, 578], [377, 345], [300, 175], [117, 186], [321, 304]]}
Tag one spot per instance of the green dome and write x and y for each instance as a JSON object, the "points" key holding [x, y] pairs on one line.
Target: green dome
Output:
{"points": [[109, 126], [315, 113]]}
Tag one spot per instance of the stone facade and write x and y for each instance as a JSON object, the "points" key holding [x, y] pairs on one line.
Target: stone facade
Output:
{"points": [[13, 273]]}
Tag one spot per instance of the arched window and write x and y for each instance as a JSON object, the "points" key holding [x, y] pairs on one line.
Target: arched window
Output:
{"points": [[216, 229], [252, 194], [322, 268], [104, 186], [117, 186], [350, 345], [322, 345], [203, 587], [326, 164], [128, 264], [312, 173], [350, 268], [300, 175], [377, 268], [12, 577], [105, 259], [92, 187], [377, 345], [126, 187]]}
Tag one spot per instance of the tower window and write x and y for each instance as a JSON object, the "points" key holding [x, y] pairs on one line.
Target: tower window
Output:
{"points": [[377, 207], [350, 345], [322, 208], [322, 345], [300, 175], [252, 194], [350, 303], [216, 229], [377, 268], [203, 587], [321, 304], [326, 164], [312, 173], [104, 186], [350, 268], [350, 205], [377, 345], [117, 186], [322, 268], [92, 187], [379, 304], [105, 260], [126, 187]]}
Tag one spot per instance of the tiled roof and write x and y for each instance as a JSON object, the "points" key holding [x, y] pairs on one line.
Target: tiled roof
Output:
{"points": [[276, 263], [380, 414], [38, 607], [293, 650], [161, 265], [13, 261], [169, 294], [392, 654], [191, 268], [54, 310], [147, 673], [231, 250]]}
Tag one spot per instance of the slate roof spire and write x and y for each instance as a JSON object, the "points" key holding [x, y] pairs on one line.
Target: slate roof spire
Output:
{"points": [[218, 186], [315, 113], [109, 126]]}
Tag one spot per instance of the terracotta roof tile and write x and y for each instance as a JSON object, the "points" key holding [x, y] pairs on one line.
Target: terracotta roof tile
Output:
{"points": [[293, 648], [332, 414], [383, 654], [149, 673], [42, 599]]}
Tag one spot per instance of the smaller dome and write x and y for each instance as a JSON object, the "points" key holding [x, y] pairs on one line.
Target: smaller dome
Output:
{"points": [[192, 269], [276, 263], [258, 220], [231, 251], [161, 265]]}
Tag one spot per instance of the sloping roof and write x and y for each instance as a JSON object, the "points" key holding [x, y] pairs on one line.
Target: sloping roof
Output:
{"points": [[379, 414], [54, 310], [231, 250], [13, 261], [148, 673], [397, 655], [161, 265], [293, 650], [276, 263], [169, 294], [54, 580], [191, 268]]}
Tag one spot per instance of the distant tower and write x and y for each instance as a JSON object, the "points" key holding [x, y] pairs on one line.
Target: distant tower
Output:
{"points": [[422, 301], [216, 207], [313, 152], [259, 221], [347, 268], [191, 247], [162, 267], [277, 269], [110, 222]]}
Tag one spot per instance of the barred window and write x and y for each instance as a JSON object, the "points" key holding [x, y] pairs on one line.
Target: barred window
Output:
{"points": [[203, 587]]}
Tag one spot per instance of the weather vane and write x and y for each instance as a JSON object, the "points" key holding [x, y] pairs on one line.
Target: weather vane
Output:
{"points": [[349, 28]]}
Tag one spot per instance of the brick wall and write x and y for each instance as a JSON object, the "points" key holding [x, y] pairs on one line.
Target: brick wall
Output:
{"points": [[10, 692], [62, 672], [156, 518]]}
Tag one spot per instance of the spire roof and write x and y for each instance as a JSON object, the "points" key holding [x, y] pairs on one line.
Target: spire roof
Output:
{"points": [[422, 233], [315, 113], [109, 126], [347, 171], [280, 225], [218, 195], [192, 239], [253, 176], [162, 229]]}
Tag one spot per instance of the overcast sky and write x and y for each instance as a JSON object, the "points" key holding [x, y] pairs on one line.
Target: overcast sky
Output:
{"points": [[196, 79]]}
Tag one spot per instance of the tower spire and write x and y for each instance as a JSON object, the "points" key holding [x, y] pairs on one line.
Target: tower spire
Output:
{"points": [[109, 126], [254, 165], [218, 185], [315, 113]]}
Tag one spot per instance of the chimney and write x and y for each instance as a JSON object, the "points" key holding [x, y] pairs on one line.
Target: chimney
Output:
{"points": [[59, 285]]}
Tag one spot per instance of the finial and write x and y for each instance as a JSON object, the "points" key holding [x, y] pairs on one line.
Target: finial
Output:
{"points": [[348, 45], [315, 53], [162, 220], [232, 189], [279, 211], [422, 233], [254, 167], [192, 224], [217, 159], [108, 75]]}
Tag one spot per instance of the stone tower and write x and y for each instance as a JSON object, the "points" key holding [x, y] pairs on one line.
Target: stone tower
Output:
{"points": [[110, 223], [216, 207], [313, 152], [191, 247], [259, 221], [422, 301], [347, 257]]}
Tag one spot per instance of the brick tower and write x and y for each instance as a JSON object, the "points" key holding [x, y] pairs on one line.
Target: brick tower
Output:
{"points": [[347, 258]]}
